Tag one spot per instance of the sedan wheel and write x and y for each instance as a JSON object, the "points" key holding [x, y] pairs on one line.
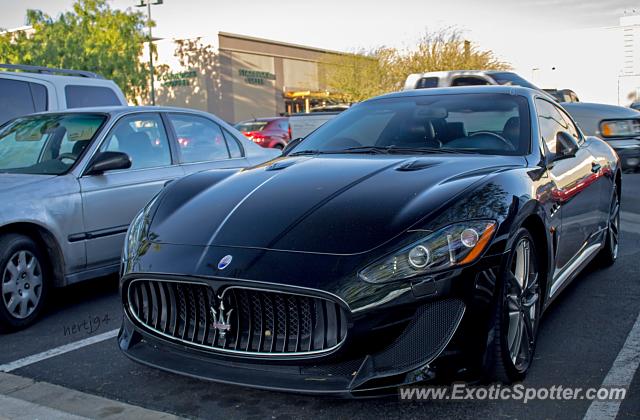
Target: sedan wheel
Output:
{"points": [[517, 314], [22, 284], [23, 281]]}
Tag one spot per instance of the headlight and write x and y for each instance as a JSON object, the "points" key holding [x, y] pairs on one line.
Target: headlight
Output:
{"points": [[620, 128], [137, 231], [452, 246]]}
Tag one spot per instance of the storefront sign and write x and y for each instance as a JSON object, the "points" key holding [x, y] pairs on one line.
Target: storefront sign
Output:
{"points": [[254, 77], [178, 79]]}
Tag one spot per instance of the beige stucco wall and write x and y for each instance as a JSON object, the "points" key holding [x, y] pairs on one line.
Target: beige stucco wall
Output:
{"points": [[253, 91], [300, 75], [218, 85]]}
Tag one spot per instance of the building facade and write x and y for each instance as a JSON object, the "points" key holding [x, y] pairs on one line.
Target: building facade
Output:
{"points": [[239, 77]]}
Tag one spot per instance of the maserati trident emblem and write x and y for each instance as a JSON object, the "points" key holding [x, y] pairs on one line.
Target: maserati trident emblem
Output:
{"points": [[224, 262], [221, 320]]}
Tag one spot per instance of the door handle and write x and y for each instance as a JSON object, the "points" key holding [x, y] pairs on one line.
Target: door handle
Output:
{"points": [[595, 167]]}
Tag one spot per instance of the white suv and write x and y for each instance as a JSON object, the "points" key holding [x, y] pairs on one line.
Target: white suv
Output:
{"points": [[27, 89], [437, 79]]}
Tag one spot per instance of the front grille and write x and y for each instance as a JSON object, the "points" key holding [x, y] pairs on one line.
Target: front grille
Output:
{"points": [[260, 322]]}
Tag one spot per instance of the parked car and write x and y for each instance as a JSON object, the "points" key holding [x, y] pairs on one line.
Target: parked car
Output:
{"points": [[71, 182], [267, 132], [415, 230], [36, 89], [453, 78], [330, 108], [563, 95], [617, 125], [303, 124]]}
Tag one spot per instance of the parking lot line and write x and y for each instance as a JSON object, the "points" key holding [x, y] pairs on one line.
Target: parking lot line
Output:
{"points": [[29, 360], [620, 375]]}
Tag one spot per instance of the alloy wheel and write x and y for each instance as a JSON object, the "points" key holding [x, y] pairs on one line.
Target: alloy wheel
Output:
{"points": [[22, 284], [614, 226], [522, 301]]}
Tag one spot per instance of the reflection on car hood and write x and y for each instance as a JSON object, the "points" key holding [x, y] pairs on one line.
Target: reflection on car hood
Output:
{"points": [[12, 181], [333, 204]]}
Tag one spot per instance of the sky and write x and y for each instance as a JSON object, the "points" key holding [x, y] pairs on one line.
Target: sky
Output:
{"points": [[525, 33]]}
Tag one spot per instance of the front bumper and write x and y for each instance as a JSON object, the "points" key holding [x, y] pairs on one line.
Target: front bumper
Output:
{"points": [[404, 360], [629, 157]]}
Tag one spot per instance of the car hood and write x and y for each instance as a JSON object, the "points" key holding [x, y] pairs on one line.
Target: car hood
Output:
{"points": [[333, 204], [11, 182]]}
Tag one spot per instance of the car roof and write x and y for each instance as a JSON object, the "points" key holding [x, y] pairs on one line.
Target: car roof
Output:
{"points": [[463, 90], [58, 78], [600, 110], [123, 109], [445, 73]]}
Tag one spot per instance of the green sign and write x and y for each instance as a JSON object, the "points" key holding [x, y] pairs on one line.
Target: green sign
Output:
{"points": [[255, 77], [178, 79]]}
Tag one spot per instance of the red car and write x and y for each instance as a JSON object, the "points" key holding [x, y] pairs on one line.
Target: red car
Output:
{"points": [[267, 132]]}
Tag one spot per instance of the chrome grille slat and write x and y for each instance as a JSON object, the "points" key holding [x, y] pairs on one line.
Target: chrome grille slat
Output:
{"points": [[263, 322]]}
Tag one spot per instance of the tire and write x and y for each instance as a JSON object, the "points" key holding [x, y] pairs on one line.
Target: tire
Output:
{"points": [[24, 282], [516, 314], [609, 254]]}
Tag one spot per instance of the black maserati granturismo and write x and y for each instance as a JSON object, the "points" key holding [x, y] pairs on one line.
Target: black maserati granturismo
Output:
{"points": [[415, 233]]}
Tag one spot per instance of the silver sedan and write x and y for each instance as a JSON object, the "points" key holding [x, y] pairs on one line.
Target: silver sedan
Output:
{"points": [[71, 183]]}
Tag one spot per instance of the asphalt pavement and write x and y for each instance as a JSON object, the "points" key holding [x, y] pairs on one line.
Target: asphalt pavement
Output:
{"points": [[580, 339]]}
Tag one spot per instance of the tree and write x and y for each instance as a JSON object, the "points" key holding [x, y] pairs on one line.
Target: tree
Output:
{"points": [[365, 74], [447, 50], [91, 36], [360, 75]]}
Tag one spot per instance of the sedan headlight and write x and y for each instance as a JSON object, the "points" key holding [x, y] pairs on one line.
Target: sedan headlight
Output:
{"points": [[620, 128], [454, 245]]}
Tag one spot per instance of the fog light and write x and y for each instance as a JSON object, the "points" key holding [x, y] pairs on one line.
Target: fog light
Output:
{"points": [[469, 238], [419, 257]]}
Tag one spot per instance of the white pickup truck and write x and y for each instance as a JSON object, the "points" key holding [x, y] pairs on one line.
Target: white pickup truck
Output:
{"points": [[303, 124]]}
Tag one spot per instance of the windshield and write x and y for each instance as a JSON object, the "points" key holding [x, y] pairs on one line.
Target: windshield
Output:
{"points": [[46, 144], [461, 123], [246, 127]]}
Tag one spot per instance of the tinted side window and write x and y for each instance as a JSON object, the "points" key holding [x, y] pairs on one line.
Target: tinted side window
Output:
{"points": [[199, 139], [551, 123], [427, 82], [39, 94], [15, 99], [88, 96], [468, 81], [571, 127], [143, 138], [234, 146]]}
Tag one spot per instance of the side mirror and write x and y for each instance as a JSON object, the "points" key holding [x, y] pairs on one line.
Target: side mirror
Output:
{"points": [[108, 161], [566, 146], [293, 143]]}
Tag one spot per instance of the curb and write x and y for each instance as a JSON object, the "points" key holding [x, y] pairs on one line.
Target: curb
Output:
{"points": [[24, 398]]}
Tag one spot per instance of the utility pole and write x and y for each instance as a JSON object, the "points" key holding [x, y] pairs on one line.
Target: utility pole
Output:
{"points": [[147, 4]]}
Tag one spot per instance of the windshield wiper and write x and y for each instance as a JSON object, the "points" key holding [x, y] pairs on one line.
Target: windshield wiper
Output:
{"points": [[430, 150], [381, 150], [360, 149], [305, 152], [366, 149]]}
